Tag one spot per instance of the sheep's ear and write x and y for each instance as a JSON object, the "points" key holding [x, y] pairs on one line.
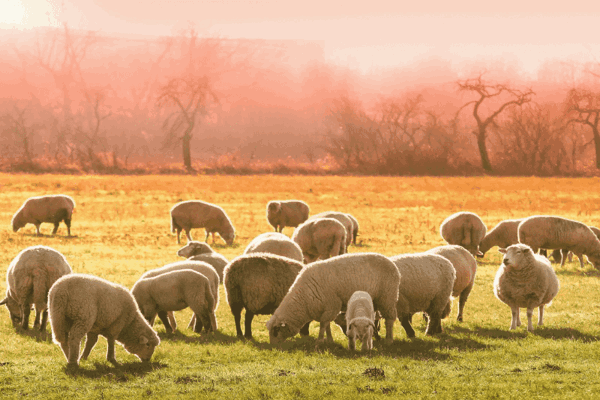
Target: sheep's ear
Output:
{"points": [[526, 250], [282, 324], [501, 250], [143, 340], [4, 301]]}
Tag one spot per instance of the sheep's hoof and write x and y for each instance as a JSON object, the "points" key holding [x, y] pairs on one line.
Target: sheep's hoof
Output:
{"points": [[459, 318]]}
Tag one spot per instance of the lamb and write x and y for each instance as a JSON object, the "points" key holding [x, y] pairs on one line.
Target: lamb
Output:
{"points": [[503, 235], [465, 267], [174, 291], [426, 286], [282, 213], [527, 280], [323, 289], [354, 228], [197, 251], [465, 229], [187, 215], [28, 280], [199, 266], [258, 283], [275, 243], [344, 219], [84, 304], [324, 238], [50, 208], [552, 232], [360, 320]]}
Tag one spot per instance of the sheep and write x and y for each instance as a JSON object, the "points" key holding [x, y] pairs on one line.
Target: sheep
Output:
{"points": [[426, 286], [86, 305], [355, 227], [324, 238], [282, 213], [344, 219], [193, 248], [174, 291], [258, 282], [187, 215], [559, 255], [552, 232], [28, 280], [275, 243], [360, 320], [50, 208], [503, 235], [465, 267], [199, 266], [197, 251], [465, 229], [527, 280], [322, 290]]}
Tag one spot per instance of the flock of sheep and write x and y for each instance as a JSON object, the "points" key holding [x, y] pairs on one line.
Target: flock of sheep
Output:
{"points": [[309, 277]]}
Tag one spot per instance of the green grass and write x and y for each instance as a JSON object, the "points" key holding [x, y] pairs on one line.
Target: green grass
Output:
{"points": [[121, 228]]}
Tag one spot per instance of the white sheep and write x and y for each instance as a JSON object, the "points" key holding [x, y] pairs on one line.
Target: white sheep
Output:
{"points": [[343, 219], [323, 237], [193, 248], [465, 266], [174, 291], [282, 213], [86, 305], [426, 286], [257, 282], [51, 208], [355, 227], [28, 279], [197, 251], [360, 320], [187, 215], [552, 232], [199, 266], [322, 290], [526, 280], [505, 234], [465, 229], [275, 243]]}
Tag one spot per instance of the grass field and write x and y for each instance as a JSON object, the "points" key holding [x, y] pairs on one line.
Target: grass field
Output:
{"points": [[122, 228]]}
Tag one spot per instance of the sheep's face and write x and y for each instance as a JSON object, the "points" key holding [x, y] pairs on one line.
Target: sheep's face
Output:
{"points": [[144, 347], [516, 256], [595, 260], [278, 330], [194, 248], [14, 310], [274, 208], [361, 329], [228, 237], [17, 223]]}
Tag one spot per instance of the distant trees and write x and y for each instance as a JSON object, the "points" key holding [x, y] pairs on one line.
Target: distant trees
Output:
{"points": [[583, 107]]}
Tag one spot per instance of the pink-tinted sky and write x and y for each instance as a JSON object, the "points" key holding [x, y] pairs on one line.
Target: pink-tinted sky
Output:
{"points": [[360, 34]]}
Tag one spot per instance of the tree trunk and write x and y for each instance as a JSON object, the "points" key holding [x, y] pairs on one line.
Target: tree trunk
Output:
{"points": [[187, 157], [597, 145], [485, 160]]}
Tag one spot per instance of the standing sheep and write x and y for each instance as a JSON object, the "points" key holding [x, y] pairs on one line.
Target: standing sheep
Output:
{"points": [[551, 232], [187, 215], [275, 243], [197, 251], [505, 234], [323, 289], [28, 279], [465, 267], [324, 238], [84, 304], [360, 320], [282, 213], [426, 286], [354, 228], [465, 229], [51, 208], [174, 291], [258, 282], [343, 219], [527, 280]]}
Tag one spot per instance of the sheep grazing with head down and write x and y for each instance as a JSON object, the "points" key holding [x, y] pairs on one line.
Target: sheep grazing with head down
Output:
{"points": [[505, 234], [29, 277], [526, 280], [51, 208], [320, 238], [360, 320], [275, 243], [465, 229], [187, 215], [343, 219], [86, 305], [282, 213], [197, 251]]}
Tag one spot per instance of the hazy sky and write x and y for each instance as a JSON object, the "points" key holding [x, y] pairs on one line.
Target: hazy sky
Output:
{"points": [[361, 34]]}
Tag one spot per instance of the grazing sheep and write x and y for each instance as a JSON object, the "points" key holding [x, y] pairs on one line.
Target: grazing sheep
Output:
{"points": [[51, 208], [174, 291], [559, 255], [187, 215], [343, 219], [527, 280], [84, 304], [197, 251], [275, 243], [284, 213], [465, 266], [360, 320], [193, 248], [199, 266], [28, 279], [258, 282], [465, 229], [426, 286], [551, 232], [355, 227], [324, 237], [323, 289], [503, 235]]}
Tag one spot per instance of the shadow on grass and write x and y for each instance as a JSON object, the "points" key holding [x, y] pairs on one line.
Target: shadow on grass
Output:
{"points": [[563, 333], [121, 373], [521, 333], [39, 336], [576, 272], [189, 336]]}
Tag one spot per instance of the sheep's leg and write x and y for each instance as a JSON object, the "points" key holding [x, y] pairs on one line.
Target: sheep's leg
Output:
{"points": [[322, 328], [165, 320], [206, 238], [200, 321], [55, 228], [78, 330], [213, 237], [44, 320], [236, 310], [462, 301], [304, 329], [192, 322], [563, 259], [37, 229], [405, 322], [328, 332], [68, 224], [110, 352], [248, 324], [580, 256], [90, 342], [172, 320], [25, 311], [64, 345], [389, 330], [36, 321], [541, 315], [351, 340], [570, 255], [434, 326], [529, 318], [368, 341], [178, 233], [188, 235], [515, 320]]}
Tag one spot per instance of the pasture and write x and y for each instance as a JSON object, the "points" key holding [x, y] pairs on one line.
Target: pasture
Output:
{"points": [[121, 228]]}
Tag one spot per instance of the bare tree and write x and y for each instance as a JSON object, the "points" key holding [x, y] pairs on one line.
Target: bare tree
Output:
{"points": [[487, 91], [16, 128], [89, 138], [583, 107]]}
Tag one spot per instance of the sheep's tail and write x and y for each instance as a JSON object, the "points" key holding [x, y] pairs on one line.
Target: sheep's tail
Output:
{"points": [[174, 225]]}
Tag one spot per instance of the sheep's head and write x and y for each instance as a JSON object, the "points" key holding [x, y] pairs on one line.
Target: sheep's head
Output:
{"points": [[278, 330], [361, 328], [516, 256], [14, 310], [194, 248], [17, 221], [594, 259], [273, 208], [228, 236], [144, 347]]}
